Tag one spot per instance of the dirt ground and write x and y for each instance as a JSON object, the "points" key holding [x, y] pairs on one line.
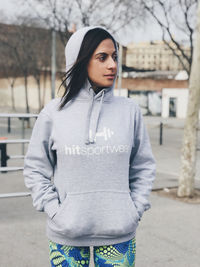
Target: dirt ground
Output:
{"points": [[172, 193]]}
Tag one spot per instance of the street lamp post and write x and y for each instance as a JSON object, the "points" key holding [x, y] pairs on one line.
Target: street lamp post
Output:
{"points": [[53, 63], [119, 84]]}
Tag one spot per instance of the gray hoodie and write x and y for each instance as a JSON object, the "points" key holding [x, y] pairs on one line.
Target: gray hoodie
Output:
{"points": [[90, 166]]}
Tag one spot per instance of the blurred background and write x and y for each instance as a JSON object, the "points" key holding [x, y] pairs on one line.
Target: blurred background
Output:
{"points": [[156, 41]]}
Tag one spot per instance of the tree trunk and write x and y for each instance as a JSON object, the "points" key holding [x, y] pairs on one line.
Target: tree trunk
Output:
{"points": [[26, 93], [44, 87], [12, 95], [189, 148], [39, 95], [26, 96]]}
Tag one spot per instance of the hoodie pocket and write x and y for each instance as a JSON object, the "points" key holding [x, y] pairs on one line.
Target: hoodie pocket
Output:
{"points": [[98, 214]]}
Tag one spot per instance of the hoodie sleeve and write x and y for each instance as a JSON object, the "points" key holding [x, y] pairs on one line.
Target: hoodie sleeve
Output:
{"points": [[39, 165], [142, 165]]}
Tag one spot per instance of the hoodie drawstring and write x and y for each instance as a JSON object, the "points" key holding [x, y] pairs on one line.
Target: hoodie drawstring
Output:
{"points": [[87, 141], [90, 136]]}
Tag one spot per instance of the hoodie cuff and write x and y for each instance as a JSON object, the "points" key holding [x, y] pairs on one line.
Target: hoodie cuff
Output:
{"points": [[51, 207], [140, 208]]}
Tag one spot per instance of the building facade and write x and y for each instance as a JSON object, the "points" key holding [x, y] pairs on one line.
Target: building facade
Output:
{"points": [[153, 56]]}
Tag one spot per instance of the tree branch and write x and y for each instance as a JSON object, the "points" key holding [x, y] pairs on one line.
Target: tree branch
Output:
{"points": [[166, 29]]}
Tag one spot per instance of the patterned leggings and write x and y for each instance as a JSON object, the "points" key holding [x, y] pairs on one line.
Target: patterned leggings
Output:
{"points": [[122, 254]]}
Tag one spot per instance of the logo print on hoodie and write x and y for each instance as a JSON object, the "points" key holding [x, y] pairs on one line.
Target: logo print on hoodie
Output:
{"points": [[106, 134]]}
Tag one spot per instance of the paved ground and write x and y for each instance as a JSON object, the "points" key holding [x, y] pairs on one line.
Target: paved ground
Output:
{"points": [[168, 234]]}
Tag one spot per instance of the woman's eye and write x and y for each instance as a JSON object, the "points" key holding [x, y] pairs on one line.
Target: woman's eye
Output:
{"points": [[102, 58]]}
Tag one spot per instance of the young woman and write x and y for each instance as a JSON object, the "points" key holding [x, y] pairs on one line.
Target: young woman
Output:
{"points": [[96, 148]]}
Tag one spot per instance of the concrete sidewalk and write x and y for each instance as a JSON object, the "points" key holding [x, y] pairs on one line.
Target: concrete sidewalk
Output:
{"points": [[168, 234]]}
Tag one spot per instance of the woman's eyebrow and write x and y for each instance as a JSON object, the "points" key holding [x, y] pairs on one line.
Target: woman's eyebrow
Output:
{"points": [[104, 53], [101, 53]]}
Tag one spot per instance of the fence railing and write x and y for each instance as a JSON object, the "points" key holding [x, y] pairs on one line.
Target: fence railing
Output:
{"points": [[4, 142]]}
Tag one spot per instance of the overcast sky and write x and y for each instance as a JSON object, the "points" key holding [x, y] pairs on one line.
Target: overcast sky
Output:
{"points": [[8, 6], [152, 32]]}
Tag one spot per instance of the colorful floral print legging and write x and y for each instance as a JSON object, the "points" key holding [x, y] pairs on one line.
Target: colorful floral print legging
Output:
{"points": [[122, 254]]}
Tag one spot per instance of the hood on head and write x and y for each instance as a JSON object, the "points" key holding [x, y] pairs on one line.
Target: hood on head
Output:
{"points": [[71, 53], [74, 44]]}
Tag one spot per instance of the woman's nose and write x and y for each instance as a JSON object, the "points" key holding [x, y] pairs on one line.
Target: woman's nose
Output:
{"points": [[112, 64]]}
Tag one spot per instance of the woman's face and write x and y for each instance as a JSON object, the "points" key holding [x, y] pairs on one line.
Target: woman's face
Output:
{"points": [[102, 66]]}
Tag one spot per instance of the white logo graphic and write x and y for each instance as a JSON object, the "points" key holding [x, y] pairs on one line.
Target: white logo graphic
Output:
{"points": [[97, 150], [106, 134]]}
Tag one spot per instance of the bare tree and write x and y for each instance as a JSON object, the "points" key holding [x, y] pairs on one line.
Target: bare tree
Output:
{"points": [[8, 69], [176, 19], [40, 60], [23, 59], [113, 15], [24, 51], [60, 15], [189, 149], [50, 14], [39, 47]]}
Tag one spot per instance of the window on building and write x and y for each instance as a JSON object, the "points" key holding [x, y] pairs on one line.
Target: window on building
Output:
{"points": [[172, 106]]}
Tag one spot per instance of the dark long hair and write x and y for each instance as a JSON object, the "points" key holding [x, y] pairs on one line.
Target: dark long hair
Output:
{"points": [[75, 78]]}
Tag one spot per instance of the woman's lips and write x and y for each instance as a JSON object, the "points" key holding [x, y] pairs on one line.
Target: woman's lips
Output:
{"points": [[110, 76]]}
